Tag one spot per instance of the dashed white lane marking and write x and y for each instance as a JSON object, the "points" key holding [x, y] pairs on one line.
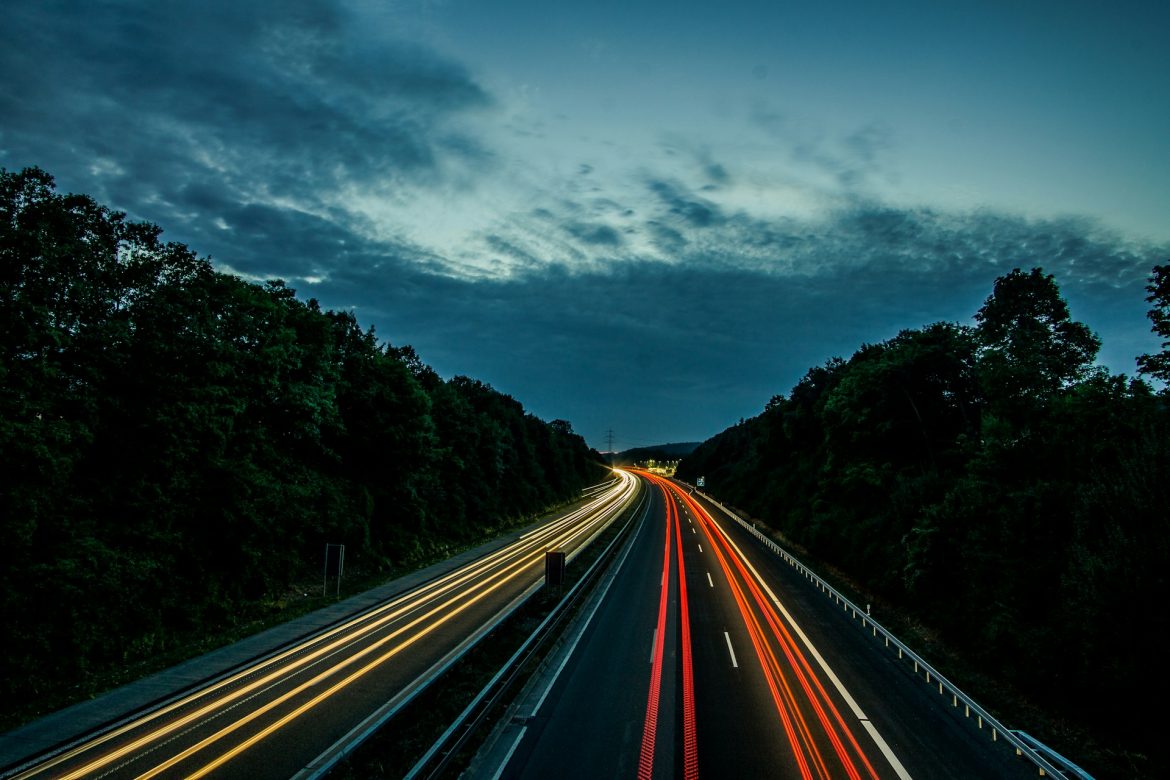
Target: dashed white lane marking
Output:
{"points": [[895, 764], [709, 580], [730, 649]]}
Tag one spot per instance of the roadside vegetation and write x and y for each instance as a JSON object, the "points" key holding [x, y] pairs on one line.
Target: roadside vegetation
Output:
{"points": [[994, 483], [177, 446]]}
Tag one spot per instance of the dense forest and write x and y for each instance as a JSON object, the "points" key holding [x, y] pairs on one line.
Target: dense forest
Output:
{"points": [[176, 442], [996, 482]]}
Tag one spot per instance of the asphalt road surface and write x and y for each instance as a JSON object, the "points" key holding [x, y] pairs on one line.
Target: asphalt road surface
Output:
{"points": [[710, 656], [284, 713]]}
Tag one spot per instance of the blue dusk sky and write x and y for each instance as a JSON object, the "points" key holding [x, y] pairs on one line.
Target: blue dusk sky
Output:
{"points": [[648, 217]]}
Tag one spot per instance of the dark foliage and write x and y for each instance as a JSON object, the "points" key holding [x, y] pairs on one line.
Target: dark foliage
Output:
{"points": [[994, 481], [176, 443]]}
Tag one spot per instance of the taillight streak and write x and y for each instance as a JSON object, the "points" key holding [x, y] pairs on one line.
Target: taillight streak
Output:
{"points": [[650, 726], [808, 679]]}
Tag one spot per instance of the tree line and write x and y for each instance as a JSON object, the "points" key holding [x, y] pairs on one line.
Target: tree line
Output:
{"points": [[994, 481], [177, 443]]}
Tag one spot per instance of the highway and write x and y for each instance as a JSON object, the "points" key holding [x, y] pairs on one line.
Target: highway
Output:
{"points": [[710, 657], [295, 709]]}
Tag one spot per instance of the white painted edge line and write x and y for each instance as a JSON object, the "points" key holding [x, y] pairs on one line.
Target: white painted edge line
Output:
{"points": [[508, 756], [889, 754], [895, 764], [730, 649]]}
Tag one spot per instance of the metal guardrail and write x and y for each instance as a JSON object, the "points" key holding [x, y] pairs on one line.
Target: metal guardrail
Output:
{"points": [[320, 766], [435, 760], [1025, 745]]}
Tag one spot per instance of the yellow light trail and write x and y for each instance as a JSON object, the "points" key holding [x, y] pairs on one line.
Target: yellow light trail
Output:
{"points": [[519, 552]]}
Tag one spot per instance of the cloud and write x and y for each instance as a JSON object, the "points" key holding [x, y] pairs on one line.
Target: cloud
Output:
{"points": [[185, 110], [852, 161], [682, 287], [683, 349], [690, 209], [594, 234]]}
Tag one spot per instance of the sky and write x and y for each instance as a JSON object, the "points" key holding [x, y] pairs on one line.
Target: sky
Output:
{"points": [[643, 217]]}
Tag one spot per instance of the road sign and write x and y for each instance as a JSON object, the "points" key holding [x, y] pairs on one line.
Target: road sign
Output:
{"points": [[554, 567], [701, 482]]}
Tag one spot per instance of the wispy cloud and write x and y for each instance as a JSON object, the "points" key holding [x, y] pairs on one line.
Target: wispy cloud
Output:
{"points": [[189, 112], [313, 142]]}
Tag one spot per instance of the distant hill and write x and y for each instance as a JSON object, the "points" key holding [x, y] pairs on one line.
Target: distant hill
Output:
{"points": [[672, 451]]}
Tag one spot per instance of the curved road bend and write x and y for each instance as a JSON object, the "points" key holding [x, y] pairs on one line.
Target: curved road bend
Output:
{"points": [[275, 717], [780, 682]]}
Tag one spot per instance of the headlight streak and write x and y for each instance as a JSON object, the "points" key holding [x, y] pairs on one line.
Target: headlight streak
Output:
{"points": [[448, 612], [796, 727], [509, 562]]}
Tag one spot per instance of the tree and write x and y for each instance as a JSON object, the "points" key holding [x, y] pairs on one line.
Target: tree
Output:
{"points": [[1158, 366], [1029, 346], [176, 444]]}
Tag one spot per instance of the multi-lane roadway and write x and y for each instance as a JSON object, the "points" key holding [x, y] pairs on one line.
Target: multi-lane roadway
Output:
{"points": [[301, 706], [709, 656]]}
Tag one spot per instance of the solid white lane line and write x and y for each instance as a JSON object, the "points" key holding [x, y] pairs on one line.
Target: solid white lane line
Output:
{"points": [[889, 754], [730, 649], [895, 764], [709, 580]]}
